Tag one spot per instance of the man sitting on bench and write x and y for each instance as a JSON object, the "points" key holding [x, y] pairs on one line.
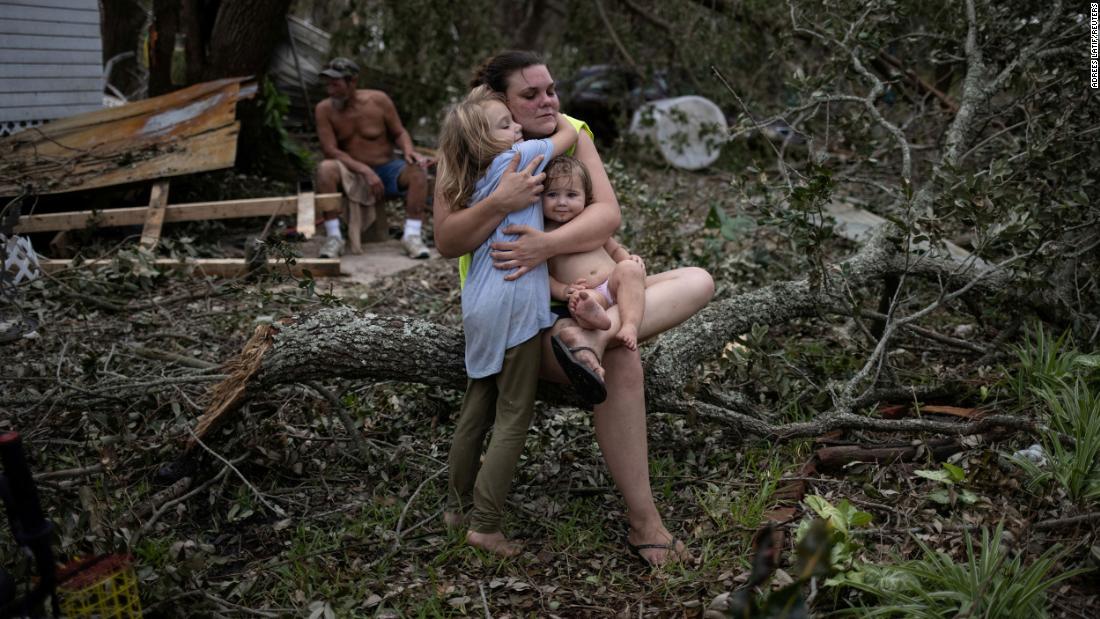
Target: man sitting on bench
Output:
{"points": [[359, 132]]}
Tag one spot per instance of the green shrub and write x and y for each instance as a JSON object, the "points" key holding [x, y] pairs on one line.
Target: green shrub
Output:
{"points": [[1075, 415], [990, 583]]}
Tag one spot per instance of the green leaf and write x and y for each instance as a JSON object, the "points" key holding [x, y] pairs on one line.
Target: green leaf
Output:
{"points": [[860, 519], [941, 496], [1089, 361], [716, 217], [957, 473], [941, 475]]}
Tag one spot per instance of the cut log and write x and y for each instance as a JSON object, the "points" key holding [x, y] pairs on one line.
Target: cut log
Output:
{"points": [[837, 457]]}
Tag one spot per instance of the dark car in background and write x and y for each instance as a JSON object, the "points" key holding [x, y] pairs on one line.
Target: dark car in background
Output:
{"points": [[605, 96]]}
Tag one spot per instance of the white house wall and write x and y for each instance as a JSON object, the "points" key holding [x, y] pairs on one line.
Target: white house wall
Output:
{"points": [[51, 61]]}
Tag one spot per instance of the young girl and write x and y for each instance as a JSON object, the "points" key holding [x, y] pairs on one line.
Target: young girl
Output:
{"points": [[501, 319], [600, 278]]}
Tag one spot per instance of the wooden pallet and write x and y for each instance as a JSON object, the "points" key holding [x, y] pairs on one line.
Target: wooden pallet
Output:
{"points": [[195, 211], [158, 212]]}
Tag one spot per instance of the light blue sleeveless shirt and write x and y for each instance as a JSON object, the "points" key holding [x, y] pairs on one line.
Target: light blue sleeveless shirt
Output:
{"points": [[498, 314]]}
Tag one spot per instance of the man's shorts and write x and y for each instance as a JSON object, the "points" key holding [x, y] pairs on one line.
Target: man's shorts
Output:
{"points": [[389, 172]]}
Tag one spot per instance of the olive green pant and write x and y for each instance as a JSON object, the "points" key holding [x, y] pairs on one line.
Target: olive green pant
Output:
{"points": [[505, 402]]}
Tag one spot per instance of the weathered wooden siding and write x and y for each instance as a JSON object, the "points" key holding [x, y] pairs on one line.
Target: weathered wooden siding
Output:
{"points": [[312, 45], [51, 61]]}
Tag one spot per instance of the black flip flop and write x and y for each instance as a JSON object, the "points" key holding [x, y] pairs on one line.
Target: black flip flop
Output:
{"points": [[589, 385]]}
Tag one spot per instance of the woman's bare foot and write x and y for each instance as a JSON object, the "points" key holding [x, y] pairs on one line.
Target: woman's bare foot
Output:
{"points": [[628, 335], [661, 549], [495, 543], [577, 339], [588, 313]]}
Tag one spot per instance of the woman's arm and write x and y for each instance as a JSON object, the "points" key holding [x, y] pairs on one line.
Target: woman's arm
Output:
{"points": [[462, 231], [565, 136], [584, 232]]}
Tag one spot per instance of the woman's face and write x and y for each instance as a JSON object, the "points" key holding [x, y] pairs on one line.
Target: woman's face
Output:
{"points": [[533, 100]]}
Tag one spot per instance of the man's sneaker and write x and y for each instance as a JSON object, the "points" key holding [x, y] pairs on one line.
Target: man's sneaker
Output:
{"points": [[332, 248], [414, 246]]}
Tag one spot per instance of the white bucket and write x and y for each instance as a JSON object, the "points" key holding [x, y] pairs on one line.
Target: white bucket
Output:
{"points": [[688, 131]]}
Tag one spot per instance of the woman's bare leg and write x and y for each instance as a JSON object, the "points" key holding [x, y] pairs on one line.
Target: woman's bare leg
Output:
{"points": [[670, 298], [620, 422]]}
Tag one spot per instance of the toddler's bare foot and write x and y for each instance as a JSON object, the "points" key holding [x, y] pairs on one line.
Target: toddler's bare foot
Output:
{"points": [[587, 312], [495, 543], [628, 335]]}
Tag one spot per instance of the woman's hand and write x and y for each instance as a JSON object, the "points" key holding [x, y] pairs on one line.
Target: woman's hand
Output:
{"points": [[518, 189], [523, 254]]}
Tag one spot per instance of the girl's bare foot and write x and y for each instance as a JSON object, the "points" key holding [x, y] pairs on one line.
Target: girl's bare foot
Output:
{"points": [[453, 520], [628, 335], [495, 543], [587, 312]]}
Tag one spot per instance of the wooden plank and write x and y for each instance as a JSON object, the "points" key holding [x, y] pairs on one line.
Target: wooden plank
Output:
{"points": [[195, 211], [307, 218], [142, 108], [212, 150], [216, 267], [49, 28], [187, 131], [154, 215], [40, 13], [52, 70], [64, 42]]}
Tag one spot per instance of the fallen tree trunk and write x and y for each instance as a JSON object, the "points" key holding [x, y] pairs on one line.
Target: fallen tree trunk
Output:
{"points": [[343, 343]]}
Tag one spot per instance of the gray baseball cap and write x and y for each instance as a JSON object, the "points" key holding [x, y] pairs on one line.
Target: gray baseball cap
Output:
{"points": [[340, 68]]}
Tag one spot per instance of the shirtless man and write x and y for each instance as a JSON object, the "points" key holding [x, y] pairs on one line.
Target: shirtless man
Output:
{"points": [[359, 130]]}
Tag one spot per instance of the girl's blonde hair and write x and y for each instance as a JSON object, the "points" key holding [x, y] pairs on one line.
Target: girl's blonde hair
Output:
{"points": [[467, 146]]}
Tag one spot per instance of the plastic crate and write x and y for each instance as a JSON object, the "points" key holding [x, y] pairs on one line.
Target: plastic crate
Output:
{"points": [[104, 587]]}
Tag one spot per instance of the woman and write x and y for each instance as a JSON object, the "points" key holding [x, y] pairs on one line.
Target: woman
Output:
{"points": [[670, 298]]}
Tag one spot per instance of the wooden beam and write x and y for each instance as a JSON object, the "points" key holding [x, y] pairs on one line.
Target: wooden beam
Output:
{"points": [[154, 215], [217, 267], [306, 215], [133, 216]]}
